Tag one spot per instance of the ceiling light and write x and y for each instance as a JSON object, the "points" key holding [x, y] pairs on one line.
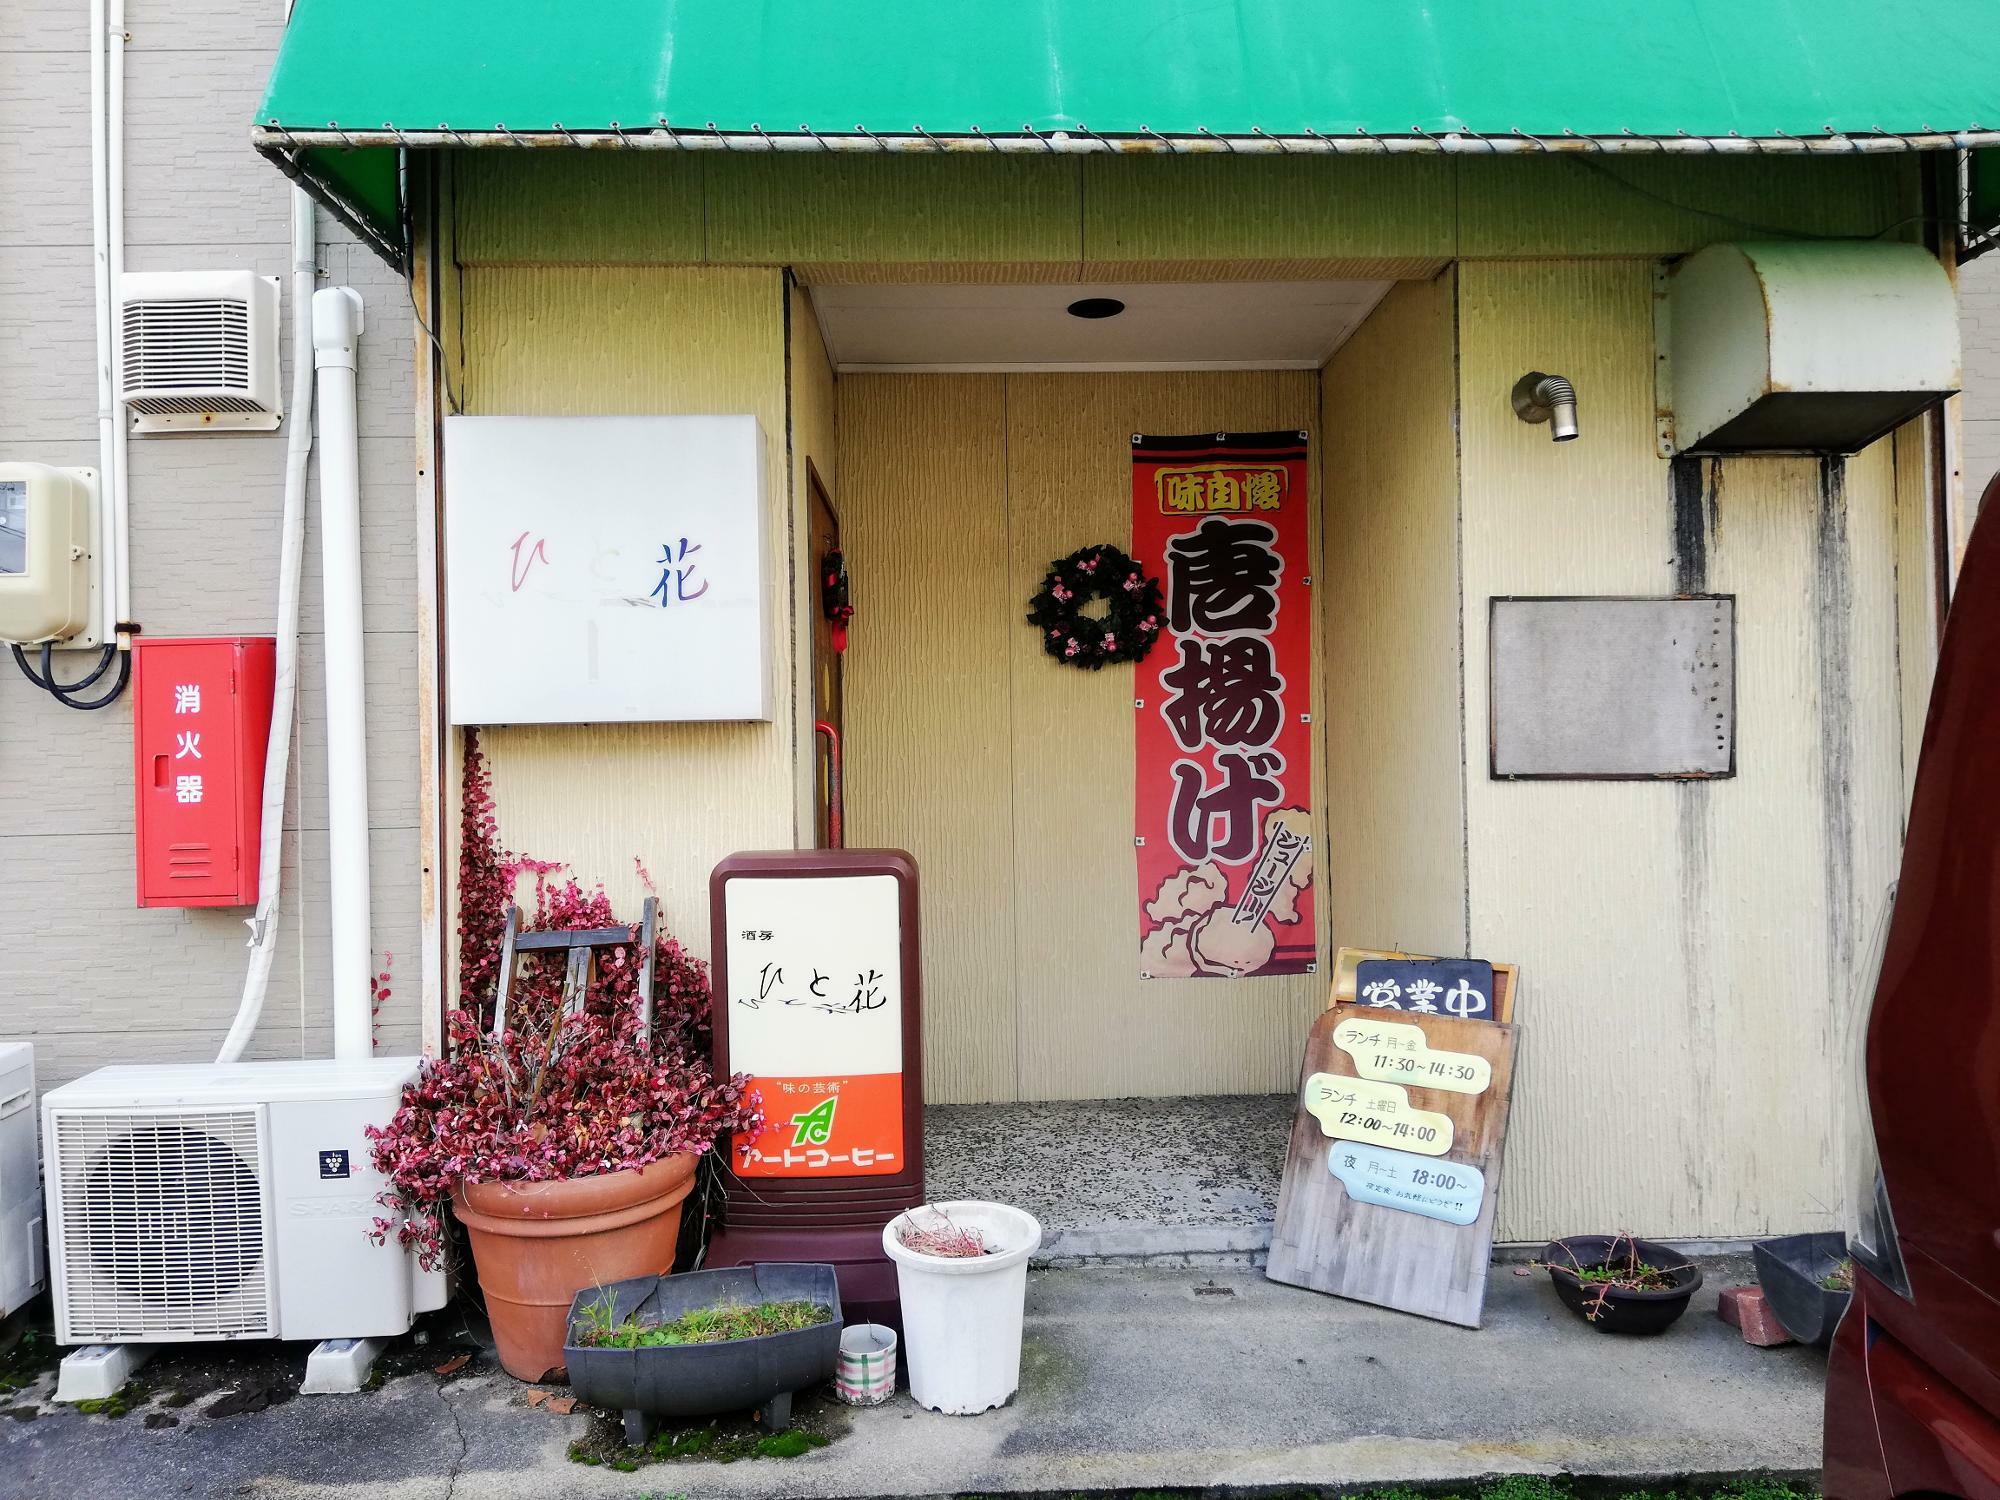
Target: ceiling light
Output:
{"points": [[1096, 307]]}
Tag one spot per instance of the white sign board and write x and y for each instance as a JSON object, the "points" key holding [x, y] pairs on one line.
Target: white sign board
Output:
{"points": [[815, 976], [605, 570]]}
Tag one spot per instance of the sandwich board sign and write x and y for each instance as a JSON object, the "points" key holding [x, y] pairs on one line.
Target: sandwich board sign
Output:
{"points": [[1392, 1173]]}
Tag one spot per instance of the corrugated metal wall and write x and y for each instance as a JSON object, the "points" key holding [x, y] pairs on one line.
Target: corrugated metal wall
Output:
{"points": [[1008, 775], [1394, 828]]}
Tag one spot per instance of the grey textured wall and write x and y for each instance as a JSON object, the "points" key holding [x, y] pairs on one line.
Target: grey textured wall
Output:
{"points": [[1979, 325], [84, 974]]}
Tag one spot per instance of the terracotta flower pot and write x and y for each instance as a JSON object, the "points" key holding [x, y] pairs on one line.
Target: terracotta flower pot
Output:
{"points": [[537, 1244]]}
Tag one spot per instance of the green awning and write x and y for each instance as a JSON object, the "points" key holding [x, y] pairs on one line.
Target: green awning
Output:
{"points": [[358, 78]]}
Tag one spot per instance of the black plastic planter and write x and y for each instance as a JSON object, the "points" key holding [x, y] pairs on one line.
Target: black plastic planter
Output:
{"points": [[1790, 1271], [1620, 1311], [699, 1380]]}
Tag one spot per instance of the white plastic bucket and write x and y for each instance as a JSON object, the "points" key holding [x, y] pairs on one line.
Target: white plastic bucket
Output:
{"points": [[962, 1317], [866, 1375]]}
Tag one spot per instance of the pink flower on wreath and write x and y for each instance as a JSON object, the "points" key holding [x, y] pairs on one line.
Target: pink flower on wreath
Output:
{"points": [[1071, 649], [1149, 624], [1110, 642], [1055, 635], [1088, 565], [1132, 582], [1062, 595]]}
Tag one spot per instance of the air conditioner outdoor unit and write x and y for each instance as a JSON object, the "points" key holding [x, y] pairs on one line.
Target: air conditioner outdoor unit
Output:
{"points": [[225, 1201], [22, 1271], [199, 350]]}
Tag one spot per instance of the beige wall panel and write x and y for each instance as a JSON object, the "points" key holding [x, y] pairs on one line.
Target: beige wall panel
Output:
{"points": [[1266, 208], [1089, 1026], [1572, 205], [675, 797], [1804, 842], [1390, 602], [1685, 947], [787, 208], [579, 207], [923, 510], [91, 979], [1916, 583], [1578, 882], [813, 418]]}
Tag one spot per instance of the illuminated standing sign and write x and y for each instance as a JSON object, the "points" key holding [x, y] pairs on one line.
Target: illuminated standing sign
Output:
{"points": [[814, 1000]]}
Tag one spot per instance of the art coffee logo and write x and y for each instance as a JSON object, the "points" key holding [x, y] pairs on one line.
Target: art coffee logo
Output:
{"points": [[332, 1164]]}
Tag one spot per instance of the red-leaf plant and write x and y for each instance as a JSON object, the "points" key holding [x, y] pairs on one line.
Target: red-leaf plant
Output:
{"points": [[554, 1096]]}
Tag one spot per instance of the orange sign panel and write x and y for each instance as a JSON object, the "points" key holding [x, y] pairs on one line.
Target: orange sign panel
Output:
{"points": [[849, 1126]]}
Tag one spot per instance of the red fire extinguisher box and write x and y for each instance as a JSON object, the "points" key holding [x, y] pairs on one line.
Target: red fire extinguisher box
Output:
{"points": [[201, 719]]}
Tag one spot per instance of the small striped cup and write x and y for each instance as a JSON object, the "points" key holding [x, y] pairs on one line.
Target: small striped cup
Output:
{"points": [[866, 1375]]}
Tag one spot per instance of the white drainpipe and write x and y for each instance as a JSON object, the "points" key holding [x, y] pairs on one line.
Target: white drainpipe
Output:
{"points": [[336, 332], [107, 213], [291, 555]]}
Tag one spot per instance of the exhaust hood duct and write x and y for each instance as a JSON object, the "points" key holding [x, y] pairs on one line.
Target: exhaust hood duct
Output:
{"points": [[1818, 346]]}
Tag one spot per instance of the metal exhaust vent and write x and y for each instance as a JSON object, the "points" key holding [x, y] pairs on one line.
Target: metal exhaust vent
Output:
{"points": [[199, 351], [160, 1225]]}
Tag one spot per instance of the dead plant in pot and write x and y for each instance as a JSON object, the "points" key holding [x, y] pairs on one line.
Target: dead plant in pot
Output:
{"points": [[1619, 1284]]}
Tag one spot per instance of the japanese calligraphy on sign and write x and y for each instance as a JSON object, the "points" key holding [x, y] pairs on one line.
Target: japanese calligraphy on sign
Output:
{"points": [[1223, 817], [815, 1017], [1461, 987], [1360, 1109], [1393, 1052], [1451, 1191], [607, 569]]}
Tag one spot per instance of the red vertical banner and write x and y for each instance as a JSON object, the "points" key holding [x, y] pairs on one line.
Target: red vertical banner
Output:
{"points": [[1223, 816]]}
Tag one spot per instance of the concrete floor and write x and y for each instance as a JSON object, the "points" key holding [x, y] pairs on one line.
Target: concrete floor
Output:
{"points": [[1137, 1377], [1137, 1181]]}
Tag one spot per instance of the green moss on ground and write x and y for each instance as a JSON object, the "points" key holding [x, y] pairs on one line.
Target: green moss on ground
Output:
{"points": [[816, 1422]]}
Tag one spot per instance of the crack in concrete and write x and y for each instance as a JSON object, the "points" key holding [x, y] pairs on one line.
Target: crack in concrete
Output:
{"points": [[464, 1443]]}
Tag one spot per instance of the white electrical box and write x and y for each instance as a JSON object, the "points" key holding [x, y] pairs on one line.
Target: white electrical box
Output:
{"points": [[47, 569]]}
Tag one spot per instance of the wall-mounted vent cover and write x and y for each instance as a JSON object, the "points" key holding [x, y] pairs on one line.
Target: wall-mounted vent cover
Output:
{"points": [[199, 351], [1817, 346], [159, 1225]]}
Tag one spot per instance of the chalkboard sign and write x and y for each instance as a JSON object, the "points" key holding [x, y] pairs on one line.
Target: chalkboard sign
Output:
{"points": [[1460, 987]]}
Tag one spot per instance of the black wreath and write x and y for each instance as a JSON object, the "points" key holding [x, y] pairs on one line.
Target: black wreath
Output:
{"points": [[1130, 626]]}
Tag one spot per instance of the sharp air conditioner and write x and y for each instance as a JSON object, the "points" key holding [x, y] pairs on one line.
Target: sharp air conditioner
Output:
{"points": [[22, 1271], [199, 351], [225, 1201]]}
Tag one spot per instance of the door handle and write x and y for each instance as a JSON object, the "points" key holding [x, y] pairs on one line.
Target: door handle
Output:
{"points": [[834, 791]]}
